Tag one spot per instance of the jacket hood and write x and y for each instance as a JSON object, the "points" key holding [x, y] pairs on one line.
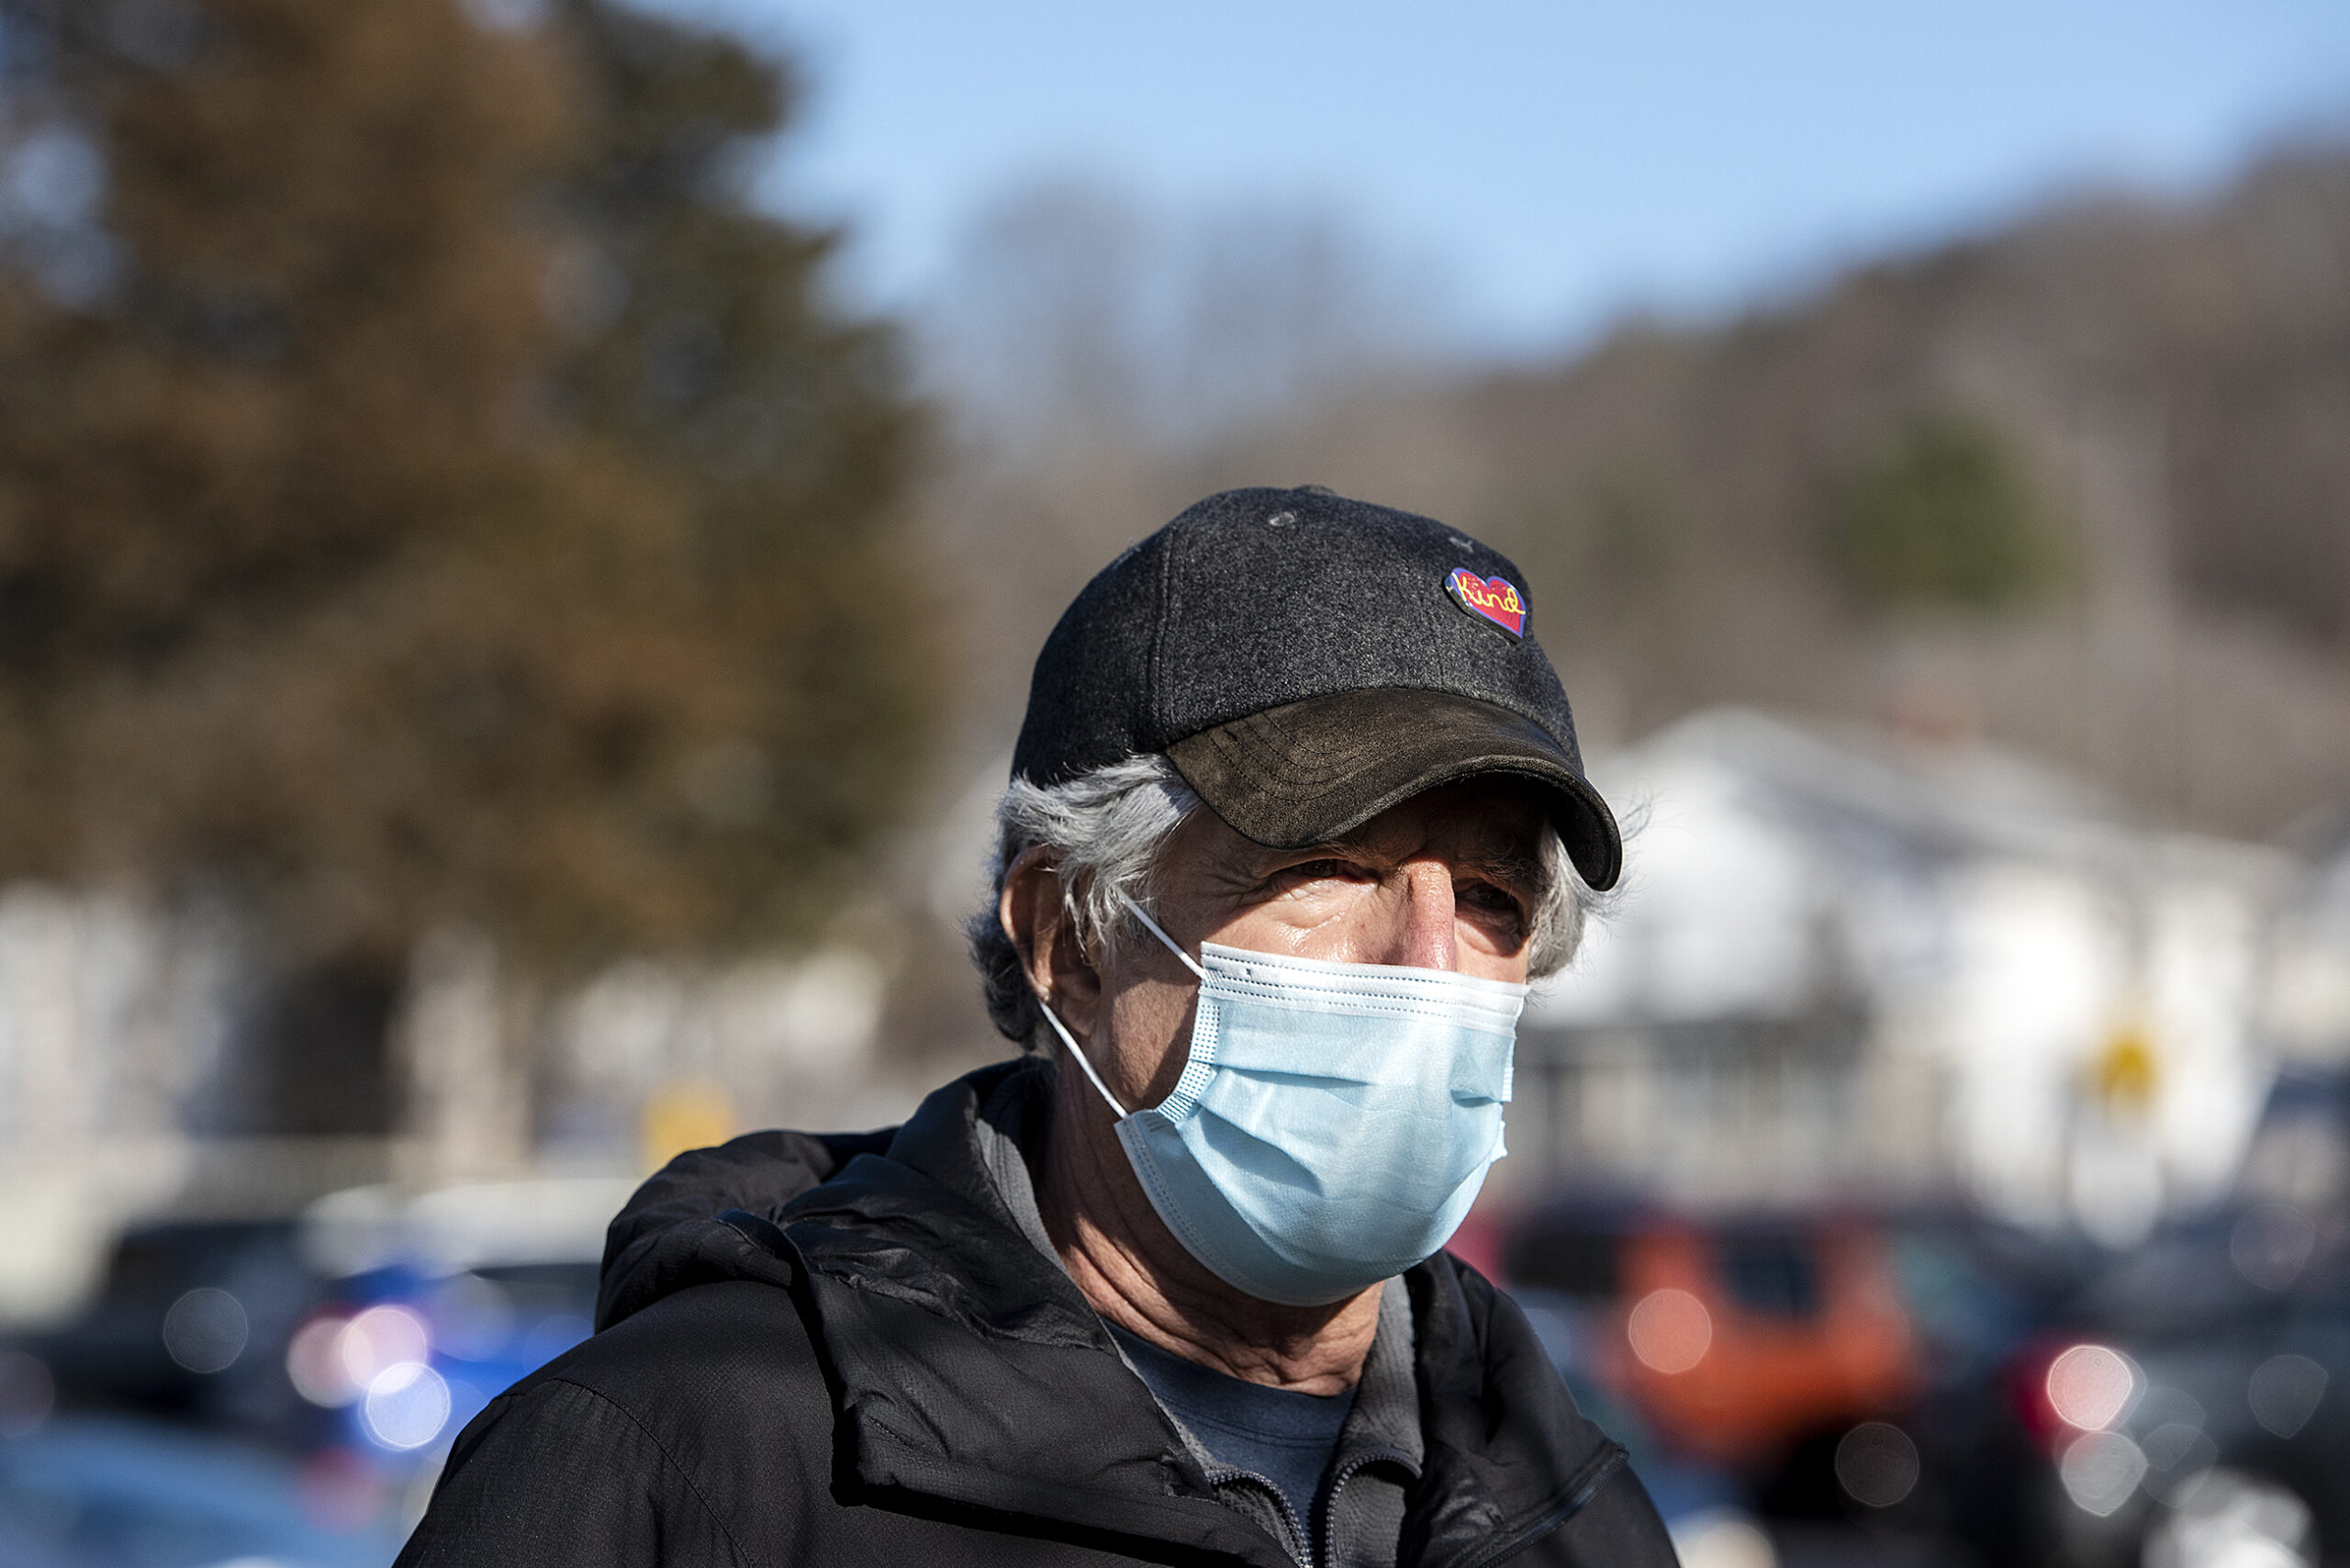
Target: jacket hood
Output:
{"points": [[965, 1366], [669, 1236]]}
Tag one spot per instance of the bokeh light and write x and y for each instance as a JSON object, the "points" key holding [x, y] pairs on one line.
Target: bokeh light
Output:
{"points": [[2090, 1386], [1670, 1331], [2234, 1520], [206, 1330], [2271, 1245], [1721, 1539], [2284, 1392], [1877, 1464], [408, 1405], [379, 1339], [314, 1362], [2100, 1470]]}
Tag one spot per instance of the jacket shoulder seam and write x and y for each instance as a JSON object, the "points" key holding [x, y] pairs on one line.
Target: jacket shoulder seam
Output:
{"points": [[668, 1458], [1601, 1468]]}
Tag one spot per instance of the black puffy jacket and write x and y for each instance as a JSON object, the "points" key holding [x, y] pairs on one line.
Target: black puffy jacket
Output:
{"points": [[850, 1350]]}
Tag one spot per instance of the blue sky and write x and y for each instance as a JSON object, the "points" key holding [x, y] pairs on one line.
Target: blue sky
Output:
{"points": [[1555, 163]]}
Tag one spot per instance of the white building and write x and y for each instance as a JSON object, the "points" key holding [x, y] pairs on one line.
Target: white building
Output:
{"points": [[114, 1023], [1840, 967]]}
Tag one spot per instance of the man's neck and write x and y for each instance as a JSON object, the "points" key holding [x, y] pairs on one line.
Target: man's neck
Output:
{"points": [[1138, 1276]]}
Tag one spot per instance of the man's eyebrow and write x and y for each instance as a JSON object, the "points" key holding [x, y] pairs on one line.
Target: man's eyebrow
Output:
{"points": [[1511, 867]]}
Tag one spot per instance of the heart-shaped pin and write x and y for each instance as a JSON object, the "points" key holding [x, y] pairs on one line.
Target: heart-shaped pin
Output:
{"points": [[1491, 598]]}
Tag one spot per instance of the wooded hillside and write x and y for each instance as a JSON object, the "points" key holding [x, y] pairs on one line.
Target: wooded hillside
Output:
{"points": [[2082, 486]]}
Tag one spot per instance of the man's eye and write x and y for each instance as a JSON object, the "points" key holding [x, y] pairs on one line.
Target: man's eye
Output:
{"points": [[1318, 870], [1485, 896]]}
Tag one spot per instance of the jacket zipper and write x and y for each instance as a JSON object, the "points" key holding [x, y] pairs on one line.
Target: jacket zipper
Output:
{"points": [[1347, 1473], [1299, 1546]]}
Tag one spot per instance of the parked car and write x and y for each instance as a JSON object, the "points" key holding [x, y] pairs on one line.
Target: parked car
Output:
{"points": [[440, 1300], [1843, 1372], [284, 1392], [1735, 1339], [2205, 1376], [191, 1320]]}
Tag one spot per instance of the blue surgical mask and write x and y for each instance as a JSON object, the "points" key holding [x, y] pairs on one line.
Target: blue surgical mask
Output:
{"points": [[1333, 1124]]}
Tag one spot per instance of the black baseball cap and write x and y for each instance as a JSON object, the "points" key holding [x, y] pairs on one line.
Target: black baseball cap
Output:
{"points": [[1306, 662]]}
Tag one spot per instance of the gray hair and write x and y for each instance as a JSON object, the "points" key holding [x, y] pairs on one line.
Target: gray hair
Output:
{"points": [[1105, 830]]}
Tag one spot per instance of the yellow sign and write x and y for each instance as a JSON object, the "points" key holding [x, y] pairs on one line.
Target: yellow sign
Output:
{"points": [[2126, 1074], [683, 1117]]}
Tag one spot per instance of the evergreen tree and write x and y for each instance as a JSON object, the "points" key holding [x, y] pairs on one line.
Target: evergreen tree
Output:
{"points": [[1944, 518], [434, 495]]}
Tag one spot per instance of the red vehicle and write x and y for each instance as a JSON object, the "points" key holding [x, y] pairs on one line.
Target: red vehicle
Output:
{"points": [[1736, 1340]]}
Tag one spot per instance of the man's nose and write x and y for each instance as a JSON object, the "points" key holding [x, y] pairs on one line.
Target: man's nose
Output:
{"points": [[1421, 933]]}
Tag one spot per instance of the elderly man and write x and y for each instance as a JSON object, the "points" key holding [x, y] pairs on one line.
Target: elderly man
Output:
{"points": [[1295, 815]]}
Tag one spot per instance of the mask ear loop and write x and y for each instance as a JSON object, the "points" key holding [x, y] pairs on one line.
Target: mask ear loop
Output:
{"points": [[1144, 915], [1068, 1039], [1091, 1076]]}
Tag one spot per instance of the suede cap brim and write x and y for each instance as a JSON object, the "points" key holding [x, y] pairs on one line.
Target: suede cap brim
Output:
{"points": [[1308, 772]]}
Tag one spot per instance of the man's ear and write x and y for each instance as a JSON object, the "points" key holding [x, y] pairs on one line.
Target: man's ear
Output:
{"points": [[1036, 917]]}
